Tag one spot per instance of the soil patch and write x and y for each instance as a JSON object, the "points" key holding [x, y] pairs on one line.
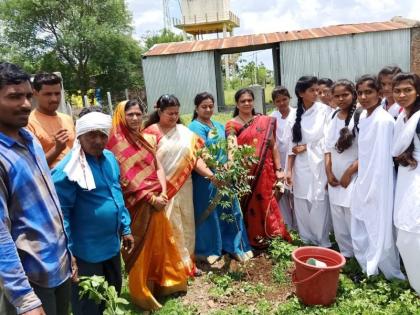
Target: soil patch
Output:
{"points": [[228, 283]]}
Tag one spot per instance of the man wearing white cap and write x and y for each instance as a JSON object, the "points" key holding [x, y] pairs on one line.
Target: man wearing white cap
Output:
{"points": [[95, 217]]}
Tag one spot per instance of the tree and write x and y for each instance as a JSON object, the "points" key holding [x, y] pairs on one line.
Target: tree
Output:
{"points": [[163, 36], [119, 58], [89, 41], [255, 74]]}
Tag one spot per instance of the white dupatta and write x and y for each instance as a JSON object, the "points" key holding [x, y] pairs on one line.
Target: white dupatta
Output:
{"points": [[313, 127], [407, 194], [373, 194], [404, 134]]}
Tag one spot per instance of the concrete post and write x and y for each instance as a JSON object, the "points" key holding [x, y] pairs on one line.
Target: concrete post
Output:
{"points": [[85, 101], [259, 98], [226, 57], [111, 109]]}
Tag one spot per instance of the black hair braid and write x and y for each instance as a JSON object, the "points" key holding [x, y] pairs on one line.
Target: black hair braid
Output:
{"points": [[345, 140], [195, 115], [350, 115], [297, 129], [406, 158]]}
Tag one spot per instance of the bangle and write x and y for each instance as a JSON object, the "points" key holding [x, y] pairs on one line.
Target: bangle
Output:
{"points": [[279, 169], [164, 195]]}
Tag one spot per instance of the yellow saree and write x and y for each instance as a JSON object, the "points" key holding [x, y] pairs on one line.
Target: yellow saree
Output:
{"points": [[154, 266]]}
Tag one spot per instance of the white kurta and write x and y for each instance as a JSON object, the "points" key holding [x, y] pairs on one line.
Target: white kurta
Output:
{"points": [[340, 162], [372, 201], [407, 198], [394, 110], [282, 140], [282, 136], [339, 196], [309, 178]]}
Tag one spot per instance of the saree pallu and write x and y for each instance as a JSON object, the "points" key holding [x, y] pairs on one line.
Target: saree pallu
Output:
{"points": [[262, 215], [177, 152], [158, 268], [223, 231], [154, 266]]}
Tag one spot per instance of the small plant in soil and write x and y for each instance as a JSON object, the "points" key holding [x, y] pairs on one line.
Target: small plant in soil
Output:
{"points": [[253, 288], [223, 283], [97, 289]]}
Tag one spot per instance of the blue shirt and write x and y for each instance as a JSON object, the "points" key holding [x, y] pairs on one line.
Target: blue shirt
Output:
{"points": [[94, 219], [33, 245]]}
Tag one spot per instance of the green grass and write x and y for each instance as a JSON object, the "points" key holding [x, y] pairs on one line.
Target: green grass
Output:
{"points": [[230, 95], [223, 118]]}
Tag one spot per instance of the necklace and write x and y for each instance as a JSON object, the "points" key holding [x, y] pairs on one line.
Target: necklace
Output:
{"points": [[164, 130], [209, 123], [245, 121]]}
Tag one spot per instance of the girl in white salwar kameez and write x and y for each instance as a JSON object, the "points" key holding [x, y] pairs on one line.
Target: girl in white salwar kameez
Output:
{"points": [[285, 117], [406, 149], [306, 168], [341, 161], [324, 94], [373, 194], [385, 81]]}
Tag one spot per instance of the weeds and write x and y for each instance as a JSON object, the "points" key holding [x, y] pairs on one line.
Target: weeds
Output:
{"points": [[175, 307], [254, 289], [373, 295], [97, 289], [370, 296], [281, 251]]}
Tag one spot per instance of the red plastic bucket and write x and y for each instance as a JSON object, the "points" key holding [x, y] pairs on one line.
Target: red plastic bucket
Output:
{"points": [[316, 285]]}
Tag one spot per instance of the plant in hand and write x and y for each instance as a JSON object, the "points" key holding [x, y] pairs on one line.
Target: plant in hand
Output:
{"points": [[232, 178]]}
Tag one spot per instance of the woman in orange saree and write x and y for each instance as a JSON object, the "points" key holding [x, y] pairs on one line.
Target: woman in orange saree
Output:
{"points": [[262, 215], [155, 266]]}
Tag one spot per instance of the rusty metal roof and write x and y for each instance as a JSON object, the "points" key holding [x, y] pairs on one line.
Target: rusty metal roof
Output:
{"points": [[271, 38]]}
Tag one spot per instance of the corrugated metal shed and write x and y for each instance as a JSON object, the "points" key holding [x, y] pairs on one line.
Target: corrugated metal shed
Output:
{"points": [[182, 75], [271, 38], [342, 51], [347, 56]]}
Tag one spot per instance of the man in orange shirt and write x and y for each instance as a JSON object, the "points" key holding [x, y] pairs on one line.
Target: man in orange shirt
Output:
{"points": [[55, 131]]}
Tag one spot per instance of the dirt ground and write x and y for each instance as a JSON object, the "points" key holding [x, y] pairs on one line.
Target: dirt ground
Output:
{"points": [[253, 282]]}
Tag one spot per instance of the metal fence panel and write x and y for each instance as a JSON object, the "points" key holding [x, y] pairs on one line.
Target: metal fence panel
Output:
{"points": [[348, 56], [183, 75]]}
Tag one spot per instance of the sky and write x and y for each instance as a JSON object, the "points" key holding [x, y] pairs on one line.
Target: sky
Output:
{"points": [[265, 16]]}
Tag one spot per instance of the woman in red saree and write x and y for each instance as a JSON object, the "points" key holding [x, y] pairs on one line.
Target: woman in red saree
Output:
{"points": [[154, 266], [262, 215]]}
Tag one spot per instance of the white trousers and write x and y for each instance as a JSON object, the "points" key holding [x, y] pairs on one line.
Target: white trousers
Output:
{"points": [[313, 221], [409, 246], [286, 208], [389, 262], [341, 219]]}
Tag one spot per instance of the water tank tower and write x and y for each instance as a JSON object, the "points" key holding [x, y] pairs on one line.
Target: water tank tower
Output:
{"points": [[206, 17]]}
